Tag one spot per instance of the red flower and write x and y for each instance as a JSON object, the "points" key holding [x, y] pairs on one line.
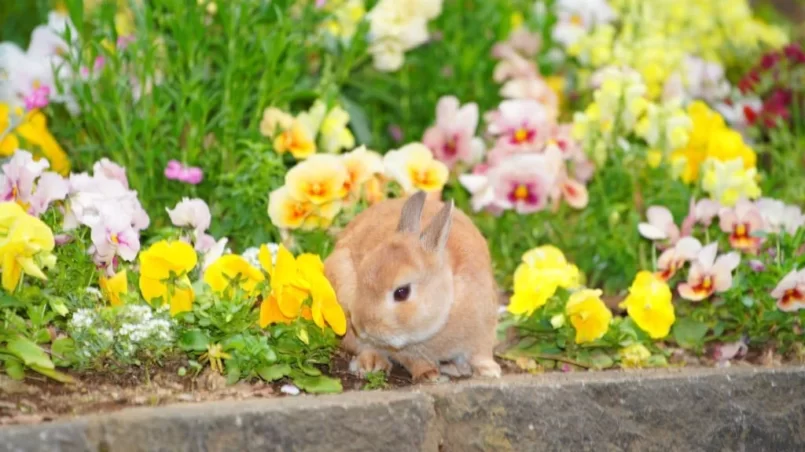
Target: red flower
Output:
{"points": [[794, 53]]}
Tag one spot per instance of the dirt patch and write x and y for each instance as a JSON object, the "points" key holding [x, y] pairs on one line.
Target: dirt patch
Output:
{"points": [[38, 399]]}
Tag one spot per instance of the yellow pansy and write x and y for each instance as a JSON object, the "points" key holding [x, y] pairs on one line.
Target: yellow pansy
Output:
{"points": [[163, 274], [275, 120], [294, 280], [544, 269], [649, 305], [27, 247], [115, 287], [318, 180], [362, 165], [414, 168], [588, 314], [220, 274], [297, 140]]}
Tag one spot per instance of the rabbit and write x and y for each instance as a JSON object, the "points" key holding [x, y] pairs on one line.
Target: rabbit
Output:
{"points": [[426, 300]]}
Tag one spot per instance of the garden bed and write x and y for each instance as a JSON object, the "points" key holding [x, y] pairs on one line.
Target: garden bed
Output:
{"points": [[739, 408]]}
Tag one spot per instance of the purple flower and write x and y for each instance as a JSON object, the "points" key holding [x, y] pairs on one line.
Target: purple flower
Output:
{"points": [[396, 132]]}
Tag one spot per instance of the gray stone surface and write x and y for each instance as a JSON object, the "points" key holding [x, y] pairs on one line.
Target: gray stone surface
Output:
{"points": [[684, 410], [691, 410]]}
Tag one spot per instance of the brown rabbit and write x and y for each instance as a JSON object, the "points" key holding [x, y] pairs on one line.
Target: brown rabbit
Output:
{"points": [[425, 299]]}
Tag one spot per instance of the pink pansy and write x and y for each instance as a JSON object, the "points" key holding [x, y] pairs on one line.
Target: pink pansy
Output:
{"points": [[194, 214], [452, 138], [24, 181], [701, 212], [741, 222], [521, 125], [723, 353], [660, 225], [672, 259], [187, 174], [39, 98], [572, 191], [19, 175], [111, 170], [50, 187], [113, 235], [790, 291], [709, 274], [522, 182]]}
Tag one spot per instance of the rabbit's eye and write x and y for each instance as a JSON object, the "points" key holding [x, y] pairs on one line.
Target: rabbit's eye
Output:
{"points": [[402, 293]]}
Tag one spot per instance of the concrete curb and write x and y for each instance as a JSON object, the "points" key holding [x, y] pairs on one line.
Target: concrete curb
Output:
{"points": [[685, 410]]}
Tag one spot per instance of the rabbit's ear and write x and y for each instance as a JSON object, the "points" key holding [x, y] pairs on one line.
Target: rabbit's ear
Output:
{"points": [[412, 213], [434, 237]]}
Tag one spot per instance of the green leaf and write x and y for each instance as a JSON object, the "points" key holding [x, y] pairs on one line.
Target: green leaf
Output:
{"points": [[689, 333], [54, 374], [357, 121], [275, 372], [232, 374], [8, 301], [309, 370], [318, 384], [42, 336], [600, 360], [62, 351], [30, 353], [194, 340], [58, 306], [14, 369]]}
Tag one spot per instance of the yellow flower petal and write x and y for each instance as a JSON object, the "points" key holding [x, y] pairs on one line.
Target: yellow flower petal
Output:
{"points": [[115, 287]]}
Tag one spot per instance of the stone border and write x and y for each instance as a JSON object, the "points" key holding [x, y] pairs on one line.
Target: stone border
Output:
{"points": [[685, 409]]}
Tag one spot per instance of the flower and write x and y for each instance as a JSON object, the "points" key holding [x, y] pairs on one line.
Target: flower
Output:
{"points": [[297, 139], [544, 269], [522, 182], [113, 234], [660, 225], [521, 125], [26, 248], [334, 133], [91, 196], [649, 305], [790, 291], [318, 180], [115, 287], [164, 269], [195, 215], [452, 139], [741, 222], [698, 79], [275, 120], [230, 268], [673, 258], [727, 182], [588, 315], [362, 167], [634, 356], [779, 217], [292, 281], [577, 17], [188, 174], [414, 168], [24, 181], [111, 170], [709, 274], [396, 26]]}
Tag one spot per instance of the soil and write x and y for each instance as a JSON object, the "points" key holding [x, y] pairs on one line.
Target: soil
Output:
{"points": [[38, 399]]}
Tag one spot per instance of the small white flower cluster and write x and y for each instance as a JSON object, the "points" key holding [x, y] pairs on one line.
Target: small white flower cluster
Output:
{"points": [[139, 324], [133, 328]]}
